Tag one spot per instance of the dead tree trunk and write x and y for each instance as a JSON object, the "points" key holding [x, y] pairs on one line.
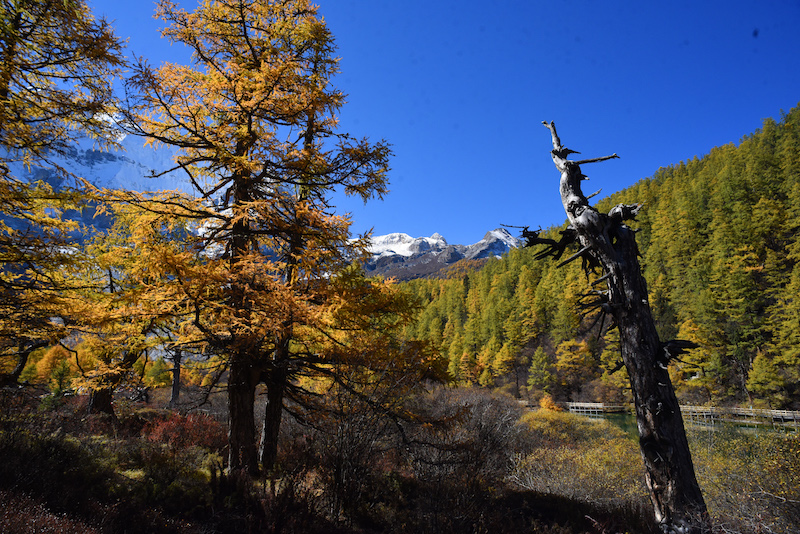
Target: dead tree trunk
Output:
{"points": [[606, 243]]}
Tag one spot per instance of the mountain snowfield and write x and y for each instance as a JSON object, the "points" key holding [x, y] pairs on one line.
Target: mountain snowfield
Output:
{"points": [[498, 240], [133, 166], [130, 167], [404, 257], [404, 244]]}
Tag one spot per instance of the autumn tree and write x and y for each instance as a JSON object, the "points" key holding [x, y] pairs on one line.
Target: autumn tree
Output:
{"points": [[128, 300], [57, 63], [608, 247], [575, 366], [254, 119], [541, 374]]}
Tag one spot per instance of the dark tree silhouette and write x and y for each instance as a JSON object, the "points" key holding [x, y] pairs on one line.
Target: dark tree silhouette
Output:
{"points": [[608, 245]]}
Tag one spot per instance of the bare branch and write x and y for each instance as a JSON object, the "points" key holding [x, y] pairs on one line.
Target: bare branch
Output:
{"points": [[595, 160], [575, 256]]}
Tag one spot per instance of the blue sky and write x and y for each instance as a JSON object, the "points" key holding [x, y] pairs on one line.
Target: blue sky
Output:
{"points": [[460, 88]]}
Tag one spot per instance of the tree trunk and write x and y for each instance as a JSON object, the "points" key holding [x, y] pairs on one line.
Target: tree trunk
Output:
{"points": [[10, 379], [674, 491], [176, 379], [276, 379], [25, 350], [101, 401], [276, 388], [609, 244], [242, 382]]}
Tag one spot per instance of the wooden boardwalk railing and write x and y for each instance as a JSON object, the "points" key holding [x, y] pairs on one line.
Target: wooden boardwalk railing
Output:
{"points": [[596, 409], [748, 416], [704, 415]]}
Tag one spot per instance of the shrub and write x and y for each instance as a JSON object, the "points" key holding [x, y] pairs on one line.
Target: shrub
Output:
{"points": [[54, 468], [547, 403], [550, 428], [180, 432], [472, 433], [580, 458], [751, 481], [20, 514]]}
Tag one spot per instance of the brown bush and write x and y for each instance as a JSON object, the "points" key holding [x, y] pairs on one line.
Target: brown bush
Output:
{"points": [[580, 458], [181, 431], [751, 481]]}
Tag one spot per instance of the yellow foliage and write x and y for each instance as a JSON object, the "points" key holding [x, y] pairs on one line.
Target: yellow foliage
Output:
{"points": [[608, 471], [580, 458], [574, 363], [547, 403], [751, 481], [50, 360]]}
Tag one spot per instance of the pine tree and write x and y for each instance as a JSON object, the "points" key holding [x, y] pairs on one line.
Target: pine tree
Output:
{"points": [[574, 366], [614, 374], [541, 374]]}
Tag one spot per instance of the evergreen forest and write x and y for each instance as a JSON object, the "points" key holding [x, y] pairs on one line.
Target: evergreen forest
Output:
{"points": [[719, 249]]}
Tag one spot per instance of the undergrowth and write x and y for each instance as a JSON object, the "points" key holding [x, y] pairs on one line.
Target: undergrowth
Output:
{"points": [[473, 462]]}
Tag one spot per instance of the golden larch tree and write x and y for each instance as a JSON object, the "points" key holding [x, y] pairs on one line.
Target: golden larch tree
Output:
{"points": [[255, 120]]}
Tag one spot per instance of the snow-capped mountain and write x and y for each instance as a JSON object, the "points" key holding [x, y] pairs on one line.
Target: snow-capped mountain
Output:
{"points": [[405, 245], [404, 257], [130, 167], [133, 166]]}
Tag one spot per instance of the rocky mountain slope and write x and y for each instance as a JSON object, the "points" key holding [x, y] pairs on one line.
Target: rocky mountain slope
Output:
{"points": [[403, 257]]}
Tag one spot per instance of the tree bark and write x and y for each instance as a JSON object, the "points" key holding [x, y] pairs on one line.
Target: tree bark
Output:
{"points": [[242, 381], [101, 401], [609, 244], [276, 389], [175, 393]]}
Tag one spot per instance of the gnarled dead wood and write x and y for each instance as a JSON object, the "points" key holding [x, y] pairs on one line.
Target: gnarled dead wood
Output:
{"points": [[606, 241]]}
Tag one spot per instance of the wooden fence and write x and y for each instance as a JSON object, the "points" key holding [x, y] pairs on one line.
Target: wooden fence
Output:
{"points": [[596, 409], [708, 415], [702, 415]]}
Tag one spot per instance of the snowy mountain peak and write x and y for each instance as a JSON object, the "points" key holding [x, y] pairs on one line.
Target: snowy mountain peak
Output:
{"points": [[438, 237], [405, 245], [503, 235], [129, 167], [404, 257], [135, 165]]}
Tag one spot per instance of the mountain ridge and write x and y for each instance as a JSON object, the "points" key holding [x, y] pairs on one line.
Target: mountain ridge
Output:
{"points": [[403, 257], [141, 167]]}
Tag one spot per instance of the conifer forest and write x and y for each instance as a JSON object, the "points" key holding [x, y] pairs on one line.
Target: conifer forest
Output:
{"points": [[217, 360], [718, 247]]}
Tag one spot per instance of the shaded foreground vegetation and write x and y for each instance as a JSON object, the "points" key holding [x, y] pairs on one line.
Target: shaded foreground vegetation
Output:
{"points": [[481, 464]]}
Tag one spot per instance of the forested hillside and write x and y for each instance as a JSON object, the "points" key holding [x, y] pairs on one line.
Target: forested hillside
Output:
{"points": [[719, 246]]}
